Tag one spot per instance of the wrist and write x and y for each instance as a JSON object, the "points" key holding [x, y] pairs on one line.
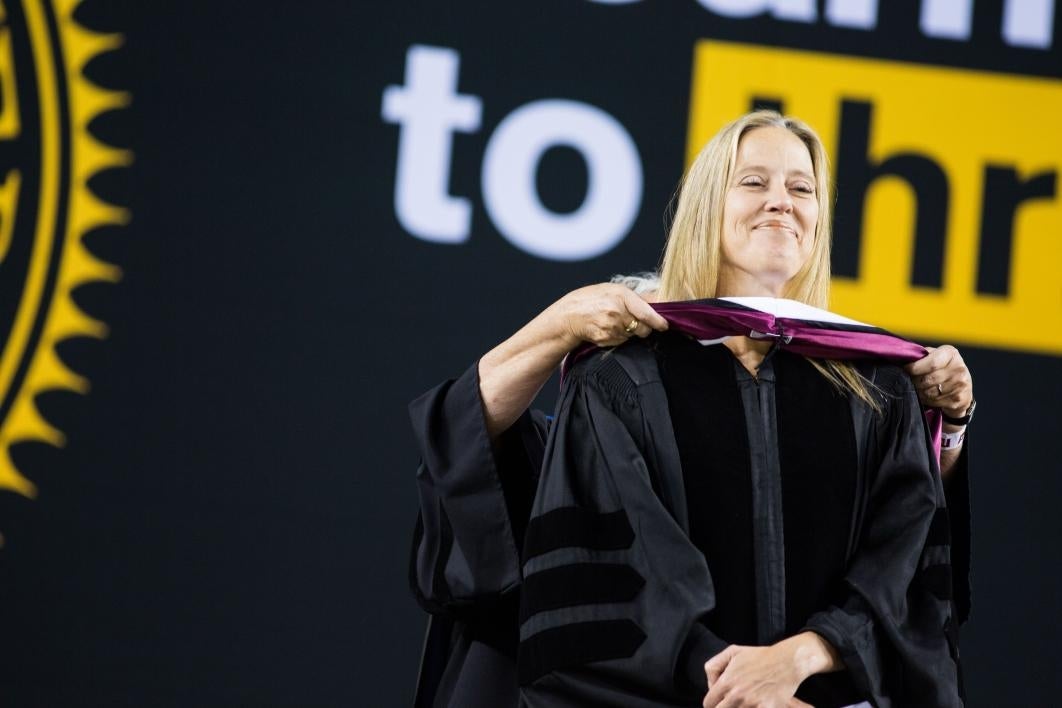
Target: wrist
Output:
{"points": [[959, 416], [556, 326], [952, 438], [812, 655]]}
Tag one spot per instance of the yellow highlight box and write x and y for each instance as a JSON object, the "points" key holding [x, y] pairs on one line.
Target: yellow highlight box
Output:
{"points": [[967, 123]]}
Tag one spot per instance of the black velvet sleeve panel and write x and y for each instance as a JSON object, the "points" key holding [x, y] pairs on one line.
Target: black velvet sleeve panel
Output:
{"points": [[893, 626], [633, 639], [957, 493], [474, 497]]}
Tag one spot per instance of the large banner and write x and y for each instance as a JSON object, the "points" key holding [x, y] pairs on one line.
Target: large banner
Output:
{"points": [[236, 240]]}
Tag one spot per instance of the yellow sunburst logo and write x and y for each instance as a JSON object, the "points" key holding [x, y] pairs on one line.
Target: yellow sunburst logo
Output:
{"points": [[47, 156]]}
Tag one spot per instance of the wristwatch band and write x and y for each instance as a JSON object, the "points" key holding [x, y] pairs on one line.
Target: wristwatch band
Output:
{"points": [[965, 420]]}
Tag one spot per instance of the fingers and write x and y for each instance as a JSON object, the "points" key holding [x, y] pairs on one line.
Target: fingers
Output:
{"points": [[936, 359], [955, 392], [644, 313], [942, 379], [617, 329], [724, 697], [610, 336], [949, 393], [714, 667], [713, 699], [935, 385], [607, 315], [944, 360], [713, 672], [643, 330], [797, 703], [634, 317]]}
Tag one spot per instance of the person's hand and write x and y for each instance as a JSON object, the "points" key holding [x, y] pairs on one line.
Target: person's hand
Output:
{"points": [[605, 315], [942, 380], [767, 676], [753, 676]]}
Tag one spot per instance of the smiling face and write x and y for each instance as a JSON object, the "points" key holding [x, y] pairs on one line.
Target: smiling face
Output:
{"points": [[769, 214]]}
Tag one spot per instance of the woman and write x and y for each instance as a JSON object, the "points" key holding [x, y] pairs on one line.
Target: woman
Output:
{"points": [[657, 552]]}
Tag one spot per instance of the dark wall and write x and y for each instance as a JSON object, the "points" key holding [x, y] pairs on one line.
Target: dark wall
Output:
{"points": [[229, 520]]}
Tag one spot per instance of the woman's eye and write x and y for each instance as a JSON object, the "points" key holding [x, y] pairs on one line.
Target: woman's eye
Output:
{"points": [[752, 182], [803, 188]]}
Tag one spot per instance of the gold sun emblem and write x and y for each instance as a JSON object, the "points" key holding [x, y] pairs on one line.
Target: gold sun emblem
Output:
{"points": [[47, 156]]}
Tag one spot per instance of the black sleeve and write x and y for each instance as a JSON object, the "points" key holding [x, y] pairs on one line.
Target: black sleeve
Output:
{"points": [[957, 493], [893, 627], [474, 497], [613, 589]]}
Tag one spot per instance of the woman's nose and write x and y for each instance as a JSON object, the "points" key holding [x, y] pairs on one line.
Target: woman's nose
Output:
{"points": [[779, 200]]}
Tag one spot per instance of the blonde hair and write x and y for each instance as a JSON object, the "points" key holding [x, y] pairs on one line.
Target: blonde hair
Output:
{"points": [[692, 258]]}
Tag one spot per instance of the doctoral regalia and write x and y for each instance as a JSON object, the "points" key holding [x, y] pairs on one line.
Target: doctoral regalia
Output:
{"points": [[571, 551]]}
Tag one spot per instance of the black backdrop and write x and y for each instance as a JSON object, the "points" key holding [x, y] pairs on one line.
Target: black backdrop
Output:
{"points": [[229, 521]]}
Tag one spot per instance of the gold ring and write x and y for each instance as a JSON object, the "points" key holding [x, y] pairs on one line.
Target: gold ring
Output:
{"points": [[629, 329], [940, 391]]}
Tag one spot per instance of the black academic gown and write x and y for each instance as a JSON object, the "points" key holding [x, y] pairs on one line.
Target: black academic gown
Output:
{"points": [[611, 589]]}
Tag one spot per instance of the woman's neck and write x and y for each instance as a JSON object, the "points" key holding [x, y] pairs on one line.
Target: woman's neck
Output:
{"points": [[750, 352], [741, 284]]}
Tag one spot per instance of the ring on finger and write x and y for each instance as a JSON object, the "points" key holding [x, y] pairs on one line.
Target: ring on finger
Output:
{"points": [[940, 391], [629, 329]]}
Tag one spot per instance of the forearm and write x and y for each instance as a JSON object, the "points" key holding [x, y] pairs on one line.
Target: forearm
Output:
{"points": [[948, 459], [511, 374]]}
